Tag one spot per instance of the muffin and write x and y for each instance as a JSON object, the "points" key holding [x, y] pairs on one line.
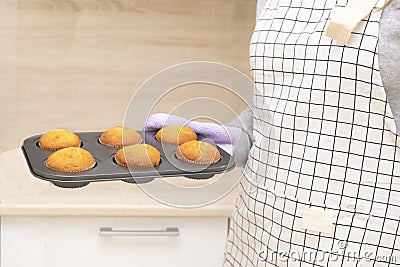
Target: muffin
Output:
{"points": [[138, 156], [176, 134], [71, 159], [198, 152], [120, 136], [58, 139]]}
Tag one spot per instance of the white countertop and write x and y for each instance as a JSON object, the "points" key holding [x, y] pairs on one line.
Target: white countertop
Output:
{"points": [[22, 194]]}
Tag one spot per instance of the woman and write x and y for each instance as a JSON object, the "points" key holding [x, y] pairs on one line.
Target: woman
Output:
{"points": [[330, 196]]}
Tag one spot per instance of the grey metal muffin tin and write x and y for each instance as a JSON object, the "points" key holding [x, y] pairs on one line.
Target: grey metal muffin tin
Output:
{"points": [[106, 169]]}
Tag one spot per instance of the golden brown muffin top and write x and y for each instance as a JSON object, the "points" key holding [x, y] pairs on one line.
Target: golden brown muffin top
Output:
{"points": [[71, 159], [139, 156], [120, 136], [59, 138], [176, 134], [198, 152]]}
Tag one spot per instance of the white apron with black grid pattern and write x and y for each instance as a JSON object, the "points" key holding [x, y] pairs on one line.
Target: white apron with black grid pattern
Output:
{"points": [[333, 146]]}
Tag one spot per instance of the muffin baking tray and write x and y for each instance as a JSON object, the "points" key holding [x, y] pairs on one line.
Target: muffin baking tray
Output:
{"points": [[106, 169]]}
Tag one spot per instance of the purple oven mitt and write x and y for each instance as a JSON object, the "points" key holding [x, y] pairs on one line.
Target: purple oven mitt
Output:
{"points": [[226, 137]]}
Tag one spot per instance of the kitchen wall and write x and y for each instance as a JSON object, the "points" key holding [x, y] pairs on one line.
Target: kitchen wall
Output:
{"points": [[76, 64]]}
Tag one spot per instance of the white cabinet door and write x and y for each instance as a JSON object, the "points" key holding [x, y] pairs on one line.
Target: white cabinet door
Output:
{"points": [[68, 241]]}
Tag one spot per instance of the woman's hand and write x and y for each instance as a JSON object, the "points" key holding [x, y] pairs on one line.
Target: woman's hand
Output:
{"points": [[231, 139], [225, 137]]}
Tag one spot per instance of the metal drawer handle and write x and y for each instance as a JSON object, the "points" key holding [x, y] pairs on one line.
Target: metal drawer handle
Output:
{"points": [[169, 231]]}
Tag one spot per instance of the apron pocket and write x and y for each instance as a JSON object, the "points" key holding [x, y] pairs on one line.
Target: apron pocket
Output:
{"points": [[382, 239], [352, 239]]}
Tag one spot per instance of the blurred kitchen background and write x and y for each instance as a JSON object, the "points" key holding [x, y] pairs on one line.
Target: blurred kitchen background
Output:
{"points": [[76, 64]]}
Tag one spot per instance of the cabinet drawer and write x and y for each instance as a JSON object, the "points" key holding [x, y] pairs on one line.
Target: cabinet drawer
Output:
{"points": [[69, 241]]}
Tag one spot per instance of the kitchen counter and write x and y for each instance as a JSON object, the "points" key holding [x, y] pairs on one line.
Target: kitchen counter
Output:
{"points": [[22, 194]]}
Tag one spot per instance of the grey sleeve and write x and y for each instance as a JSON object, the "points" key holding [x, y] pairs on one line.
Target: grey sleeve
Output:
{"points": [[245, 122], [260, 7], [389, 57]]}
